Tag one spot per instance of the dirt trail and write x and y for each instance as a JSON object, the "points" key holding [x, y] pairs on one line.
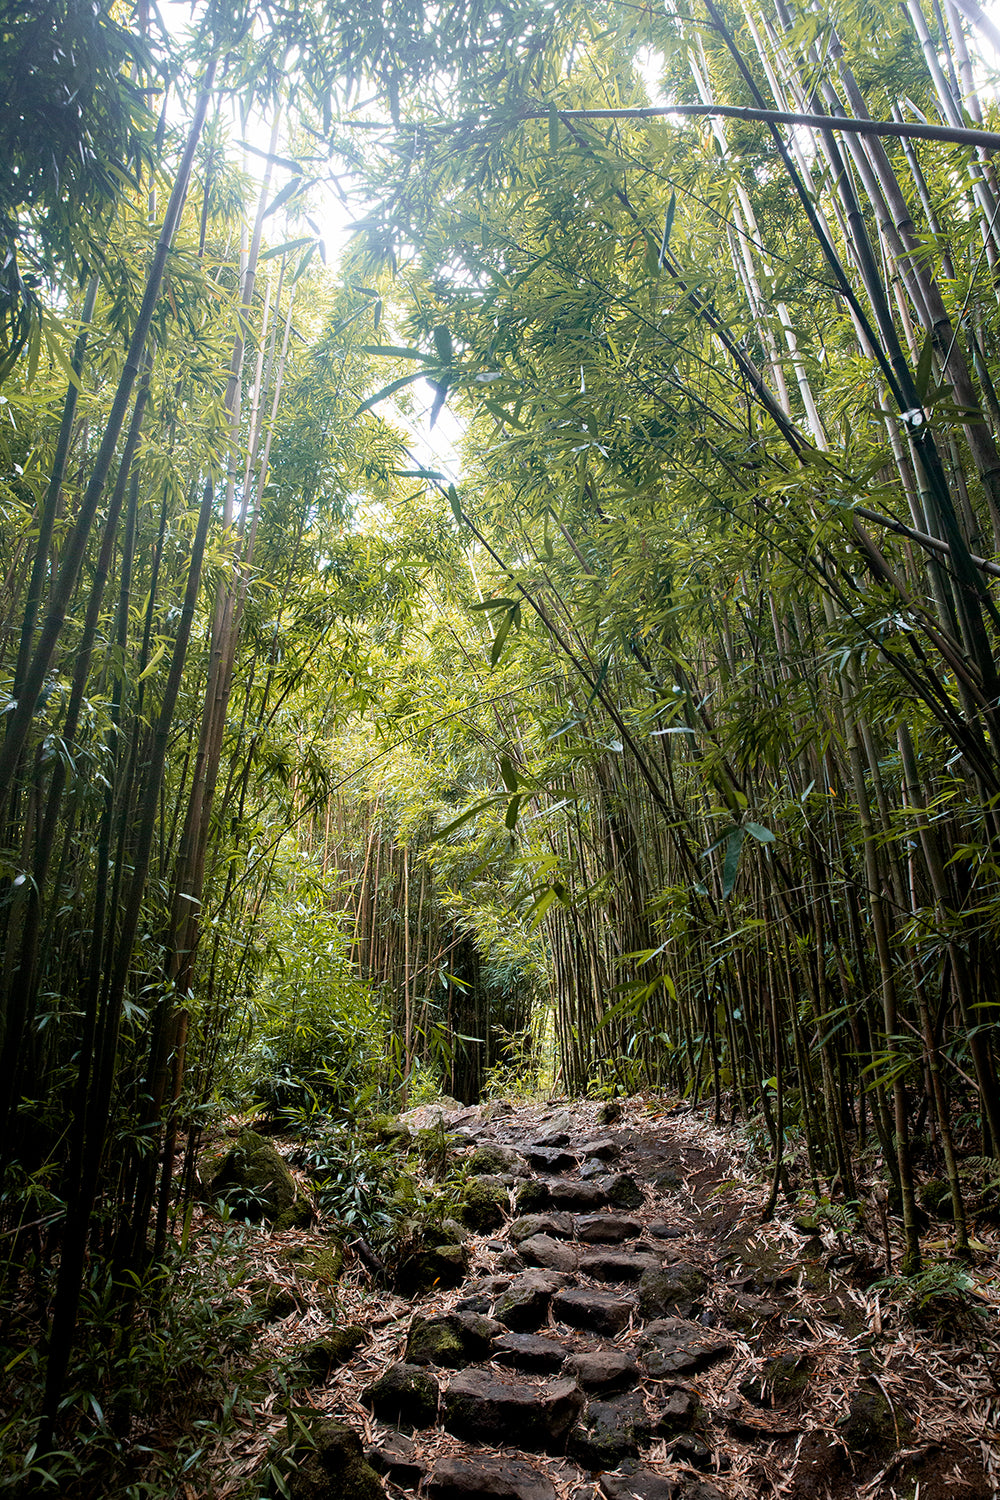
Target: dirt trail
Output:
{"points": [[631, 1330]]}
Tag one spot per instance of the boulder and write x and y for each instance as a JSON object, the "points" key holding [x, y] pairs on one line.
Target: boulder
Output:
{"points": [[549, 1158], [679, 1412], [622, 1190], [492, 1160], [603, 1312], [405, 1396], [494, 1478], [329, 1465], [256, 1183], [608, 1265], [559, 1226], [452, 1340], [437, 1266], [532, 1196], [395, 1456], [603, 1150], [484, 1409], [484, 1205], [322, 1355], [585, 1197]]}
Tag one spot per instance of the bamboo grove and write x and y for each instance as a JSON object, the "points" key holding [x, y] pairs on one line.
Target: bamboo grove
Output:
{"points": [[663, 738]]}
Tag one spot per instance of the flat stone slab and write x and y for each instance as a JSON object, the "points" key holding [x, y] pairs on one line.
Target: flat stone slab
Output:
{"points": [[524, 1306], [607, 1265], [603, 1150], [485, 1407], [661, 1230], [675, 1346], [559, 1226], [605, 1229], [553, 1255], [531, 1352], [496, 1478], [549, 1158], [646, 1484], [603, 1312], [603, 1370], [586, 1197]]}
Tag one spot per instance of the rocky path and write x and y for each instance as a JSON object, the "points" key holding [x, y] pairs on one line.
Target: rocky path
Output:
{"points": [[622, 1326]]}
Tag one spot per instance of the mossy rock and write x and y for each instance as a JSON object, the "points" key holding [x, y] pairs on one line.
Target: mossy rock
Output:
{"points": [[483, 1205], [272, 1302], [257, 1184], [532, 1197], [324, 1266], [435, 1267], [935, 1197], [322, 1355], [782, 1381], [329, 1462], [386, 1130], [871, 1427], [405, 1396]]}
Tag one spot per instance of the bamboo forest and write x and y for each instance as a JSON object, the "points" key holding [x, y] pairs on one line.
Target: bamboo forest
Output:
{"points": [[500, 749]]}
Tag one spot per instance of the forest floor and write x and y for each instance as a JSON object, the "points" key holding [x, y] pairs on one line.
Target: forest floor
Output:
{"points": [[639, 1333]]}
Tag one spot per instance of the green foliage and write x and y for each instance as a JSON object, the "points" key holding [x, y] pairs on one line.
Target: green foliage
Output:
{"points": [[317, 1037]]}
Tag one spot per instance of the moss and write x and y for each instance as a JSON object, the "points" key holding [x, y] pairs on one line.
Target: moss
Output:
{"points": [[935, 1197], [325, 1265], [255, 1181], [871, 1426], [321, 1355], [329, 1460], [483, 1206]]}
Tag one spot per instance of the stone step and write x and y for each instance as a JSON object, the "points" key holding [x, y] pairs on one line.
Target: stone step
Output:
{"points": [[605, 1229], [531, 1352], [553, 1255], [617, 1266], [487, 1406], [524, 1306], [602, 1312], [559, 1226], [493, 1478]]}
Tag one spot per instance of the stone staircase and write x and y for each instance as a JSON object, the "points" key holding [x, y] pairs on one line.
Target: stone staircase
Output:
{"points": [[619, 1337]]}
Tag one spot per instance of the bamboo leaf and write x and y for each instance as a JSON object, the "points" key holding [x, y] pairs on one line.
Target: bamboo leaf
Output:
{"points": [[388, 390]]}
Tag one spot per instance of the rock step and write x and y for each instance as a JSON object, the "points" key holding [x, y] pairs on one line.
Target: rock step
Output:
{"points": [[487, 1406]]}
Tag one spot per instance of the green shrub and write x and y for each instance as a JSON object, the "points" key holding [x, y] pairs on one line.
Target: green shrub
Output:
{"points": [[317, 1034]]}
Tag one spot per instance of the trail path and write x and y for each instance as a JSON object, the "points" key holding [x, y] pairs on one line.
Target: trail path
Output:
{"points": [[632, 1330]]}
